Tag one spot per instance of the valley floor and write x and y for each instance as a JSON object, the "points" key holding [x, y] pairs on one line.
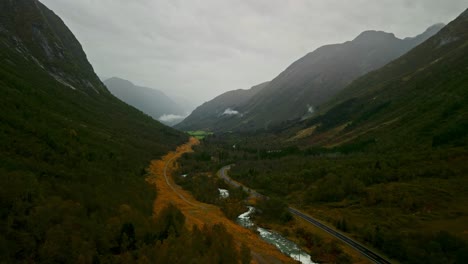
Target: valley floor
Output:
{"points": [[201, 214], [361, 255]]}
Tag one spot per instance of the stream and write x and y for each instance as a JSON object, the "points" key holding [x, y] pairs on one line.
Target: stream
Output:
{"points": [[284, 245]]}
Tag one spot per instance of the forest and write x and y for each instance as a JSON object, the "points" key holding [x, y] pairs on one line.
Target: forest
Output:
{"points": [[411, 206], [72, 185], [197, 173]]}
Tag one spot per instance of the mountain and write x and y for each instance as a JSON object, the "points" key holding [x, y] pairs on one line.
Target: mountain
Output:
{"points": [[220, 109], [312, 80], [386, 155], [315, 78], [420, 99], [72, 156], [383, 160], [151, 101]]}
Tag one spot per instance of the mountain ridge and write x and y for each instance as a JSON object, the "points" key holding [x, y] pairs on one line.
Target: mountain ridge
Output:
{"points": [[151, 101], [315, 78], [204, 116], [388, 101], [47, 44]]}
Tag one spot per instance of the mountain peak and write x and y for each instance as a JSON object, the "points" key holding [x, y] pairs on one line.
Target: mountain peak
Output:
{"points": [[373, 35]]}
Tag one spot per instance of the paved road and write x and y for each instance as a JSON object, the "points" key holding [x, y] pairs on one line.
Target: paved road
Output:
{"points": [[223, 174], [362, 249], [374, 257]]}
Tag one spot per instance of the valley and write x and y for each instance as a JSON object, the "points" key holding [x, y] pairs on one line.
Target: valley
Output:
{"points": [[354, 153], [383, 160], [202, 214], [328, 187], [372, 256]]}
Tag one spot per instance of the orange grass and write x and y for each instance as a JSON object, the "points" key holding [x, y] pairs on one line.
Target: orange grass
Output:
{"points": [[197, 213]]}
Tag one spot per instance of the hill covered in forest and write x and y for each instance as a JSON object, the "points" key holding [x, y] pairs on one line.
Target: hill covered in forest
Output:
{"points": [[73, 158], [383, 161]]}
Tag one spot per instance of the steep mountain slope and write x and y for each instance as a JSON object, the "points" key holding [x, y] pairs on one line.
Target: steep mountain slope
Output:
{"points": [[48, 45], [223, 109], [72, 156], [385, 160], [319, 75], [312, 80], [420, 99], [151, 101]]}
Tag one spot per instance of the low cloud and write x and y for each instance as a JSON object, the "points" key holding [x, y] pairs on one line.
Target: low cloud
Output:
{"points": [[171, 118], [230, 111]]}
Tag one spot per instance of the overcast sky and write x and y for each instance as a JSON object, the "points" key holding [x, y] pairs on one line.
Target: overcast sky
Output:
{"points": [[201, 48]]}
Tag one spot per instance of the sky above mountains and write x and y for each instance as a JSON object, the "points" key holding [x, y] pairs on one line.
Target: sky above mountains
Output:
{"points": [[199, 49]]}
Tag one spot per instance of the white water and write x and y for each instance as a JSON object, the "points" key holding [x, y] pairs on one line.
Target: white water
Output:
{"points": [[223, 193], [283, 244]]}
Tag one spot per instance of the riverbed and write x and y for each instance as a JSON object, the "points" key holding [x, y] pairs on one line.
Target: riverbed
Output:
{"points": [[284, 245]]}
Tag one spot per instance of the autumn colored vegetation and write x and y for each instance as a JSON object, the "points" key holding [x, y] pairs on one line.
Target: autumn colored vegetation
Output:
{"points": [[203, 215]]}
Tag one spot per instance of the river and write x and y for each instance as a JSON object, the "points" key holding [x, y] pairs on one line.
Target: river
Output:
{"points": [[284, 245]]}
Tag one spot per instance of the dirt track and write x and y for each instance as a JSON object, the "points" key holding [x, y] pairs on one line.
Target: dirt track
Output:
{"points": [[197, 213]]}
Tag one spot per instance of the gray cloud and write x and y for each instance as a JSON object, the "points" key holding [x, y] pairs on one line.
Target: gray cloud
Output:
{"points": [[201, 48], [171, 118], [230, 111]]}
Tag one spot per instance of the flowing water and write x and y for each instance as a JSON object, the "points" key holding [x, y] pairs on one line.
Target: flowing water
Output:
{"points": [[284, 245], [223, 193]]}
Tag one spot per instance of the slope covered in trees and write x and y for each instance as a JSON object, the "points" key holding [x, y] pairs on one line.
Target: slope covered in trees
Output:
{"points": [[384, 161], [73, 158]]}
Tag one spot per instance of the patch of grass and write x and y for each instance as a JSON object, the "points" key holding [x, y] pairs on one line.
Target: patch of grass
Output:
{"points": [[199, 134]]}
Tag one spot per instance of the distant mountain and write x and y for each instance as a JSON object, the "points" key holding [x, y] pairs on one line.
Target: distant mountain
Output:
{"points": [[223, 108], [420, 99], [72, 156], [151, 101], [312, 80]]}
